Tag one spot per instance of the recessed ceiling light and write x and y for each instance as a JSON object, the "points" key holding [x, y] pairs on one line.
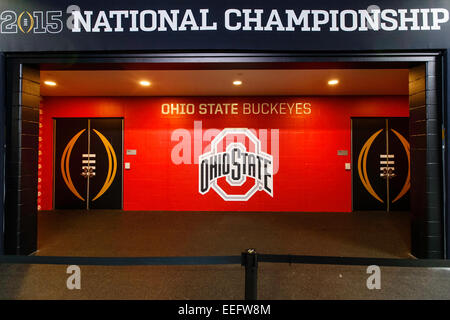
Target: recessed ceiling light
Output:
{"points": [[145, 83], [333, 82], [50, 83], [237, 82]]}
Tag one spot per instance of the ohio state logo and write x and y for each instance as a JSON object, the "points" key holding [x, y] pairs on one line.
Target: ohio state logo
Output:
{"points": [[236, 167]]}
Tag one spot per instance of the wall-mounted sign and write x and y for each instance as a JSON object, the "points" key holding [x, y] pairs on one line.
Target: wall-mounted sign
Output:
{"points": [[280, 20], [131, 152], [49, 25]]}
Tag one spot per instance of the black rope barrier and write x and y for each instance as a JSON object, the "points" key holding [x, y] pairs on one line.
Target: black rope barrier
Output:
{"points": [[120, 261], [249, 259], [354, 261]]}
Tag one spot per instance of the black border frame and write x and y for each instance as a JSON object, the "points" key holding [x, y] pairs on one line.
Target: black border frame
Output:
{"points": [[231, 59]]}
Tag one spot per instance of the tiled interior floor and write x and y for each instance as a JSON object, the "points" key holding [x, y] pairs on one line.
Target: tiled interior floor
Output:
{"points": [[116, 233]]}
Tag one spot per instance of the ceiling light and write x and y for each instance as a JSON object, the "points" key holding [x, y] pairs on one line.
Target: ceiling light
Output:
{"points": [[145, 83], [50, 83], [237, 82], [333, 82]]}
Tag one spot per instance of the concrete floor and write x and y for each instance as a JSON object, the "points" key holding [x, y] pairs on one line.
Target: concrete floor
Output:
{"points": [[184, 234], [109, 233]]}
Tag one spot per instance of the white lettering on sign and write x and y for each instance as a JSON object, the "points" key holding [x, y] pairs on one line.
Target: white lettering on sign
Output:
{"points": [[146, 21], [176, 20], [306, 20], [36, 22]]}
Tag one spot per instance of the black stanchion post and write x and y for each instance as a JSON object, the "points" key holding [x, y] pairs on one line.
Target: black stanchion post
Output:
{"points": [[250, 261]]}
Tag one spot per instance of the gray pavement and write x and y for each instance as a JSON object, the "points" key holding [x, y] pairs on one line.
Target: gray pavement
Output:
{"points": [[184, 234], [276, 281]]}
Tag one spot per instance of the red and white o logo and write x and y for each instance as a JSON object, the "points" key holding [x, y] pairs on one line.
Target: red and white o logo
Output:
{"points": [[236, 168]]}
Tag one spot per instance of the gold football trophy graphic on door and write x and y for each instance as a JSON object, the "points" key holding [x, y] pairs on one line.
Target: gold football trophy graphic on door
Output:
{"points": [[88, 163], [381, 157]]}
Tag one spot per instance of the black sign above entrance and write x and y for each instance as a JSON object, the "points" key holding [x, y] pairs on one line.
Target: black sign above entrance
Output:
{"points": [[67, 25]]}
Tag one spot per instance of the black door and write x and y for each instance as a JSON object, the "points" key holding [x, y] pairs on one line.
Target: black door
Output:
{"points": [[88, 163], [381, 164]]}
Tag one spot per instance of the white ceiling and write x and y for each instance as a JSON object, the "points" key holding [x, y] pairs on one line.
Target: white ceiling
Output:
{"points": [[219, 82]]}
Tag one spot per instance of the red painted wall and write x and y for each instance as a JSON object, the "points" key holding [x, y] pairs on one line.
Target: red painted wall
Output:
{"points": [[311, 176]]}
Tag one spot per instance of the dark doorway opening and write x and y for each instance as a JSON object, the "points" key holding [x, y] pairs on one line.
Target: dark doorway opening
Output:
{"points": [[427, 180]]}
